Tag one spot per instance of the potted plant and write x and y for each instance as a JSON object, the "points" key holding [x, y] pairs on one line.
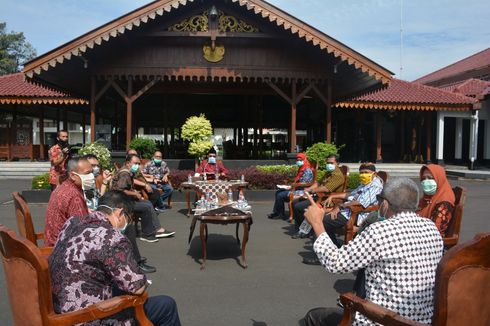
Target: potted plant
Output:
{"points": [[197, 130], [100, 150]]}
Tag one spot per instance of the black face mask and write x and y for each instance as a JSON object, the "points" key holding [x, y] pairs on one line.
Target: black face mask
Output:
{"points": [[62, 143]]}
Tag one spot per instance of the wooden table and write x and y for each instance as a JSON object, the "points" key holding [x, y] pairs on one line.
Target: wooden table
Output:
{"points": [[199, 186], [223, 215]]}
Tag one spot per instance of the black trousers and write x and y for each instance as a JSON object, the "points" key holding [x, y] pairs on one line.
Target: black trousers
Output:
{"points": [[130, 233], [323, 317], [331, 225], [144, 210], [299, 206]]}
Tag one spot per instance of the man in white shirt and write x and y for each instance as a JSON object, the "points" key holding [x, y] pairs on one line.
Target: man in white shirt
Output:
{"points": [[400, 255]]}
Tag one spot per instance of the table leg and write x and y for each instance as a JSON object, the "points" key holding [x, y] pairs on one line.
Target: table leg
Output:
{"points": [[188, 198], [236, 233], [244, 243], [193, 226], [202, 231]]}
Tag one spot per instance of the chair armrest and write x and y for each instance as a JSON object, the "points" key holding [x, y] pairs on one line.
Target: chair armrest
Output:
{"points": [[372, 311], [40, 236], [450, 241], [356, 209], [46, 251], [104, 309]]}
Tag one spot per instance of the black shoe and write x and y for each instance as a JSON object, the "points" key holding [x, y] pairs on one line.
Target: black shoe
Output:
{"points": [[339, 303], [146, 268], [142, 260], [272, 215], [311, 261], [299, 236]]}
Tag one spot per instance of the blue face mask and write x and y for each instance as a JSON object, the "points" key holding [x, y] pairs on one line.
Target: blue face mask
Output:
{"points": [[429, 186], [134, 168], [212, 160], [300, 163], [330, 167], [157, 161]]}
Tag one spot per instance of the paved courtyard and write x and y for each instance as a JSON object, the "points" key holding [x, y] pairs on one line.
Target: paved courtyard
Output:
{"points": [[276, 288]]}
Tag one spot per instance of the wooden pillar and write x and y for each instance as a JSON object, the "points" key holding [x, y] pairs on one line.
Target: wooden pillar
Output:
{"points": [[41, 133], [379, 127], [402, 135], [260, 125], [235, 136], [328, 122], [129, 113], [292, 141], [428, 136], [65, 118], [58, 119], [92, 109], [84, 122], [116, 124], [239, 143]]}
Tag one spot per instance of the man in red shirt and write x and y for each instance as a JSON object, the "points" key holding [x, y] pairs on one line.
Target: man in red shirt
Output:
{"points": [[59, 154], [67, 199], [212, 168]]}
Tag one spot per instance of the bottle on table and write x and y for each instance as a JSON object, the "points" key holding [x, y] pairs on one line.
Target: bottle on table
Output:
{"points": [[230, 195], [189, 178]]}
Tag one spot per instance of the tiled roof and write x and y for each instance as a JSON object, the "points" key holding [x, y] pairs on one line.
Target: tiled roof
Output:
{"points": [[478, 60], [470, 87], [15, 89], [404, 95]]}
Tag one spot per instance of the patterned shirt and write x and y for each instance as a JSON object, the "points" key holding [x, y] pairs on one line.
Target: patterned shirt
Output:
{"points": [[441, 216], [158, 171], [212, 169], [66, 200], [306, 177], [366, 196], [333, 181], [400, 255], [56, 170], [90, 258]]}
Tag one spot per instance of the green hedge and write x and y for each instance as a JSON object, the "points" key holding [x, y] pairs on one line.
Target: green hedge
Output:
{"points": [[41, 182], [353, 180]]}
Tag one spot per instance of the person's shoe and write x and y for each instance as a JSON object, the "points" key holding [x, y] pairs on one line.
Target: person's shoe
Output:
{"points": [[148, 238], [311, 261], [160, 210], [339, 303], [146, 268], [164, 234], [272, 216], [299, 235], [142, 260]]}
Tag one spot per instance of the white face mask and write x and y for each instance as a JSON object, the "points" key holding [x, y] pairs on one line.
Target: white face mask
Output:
{"points": [[88, 180], [123, 228]]}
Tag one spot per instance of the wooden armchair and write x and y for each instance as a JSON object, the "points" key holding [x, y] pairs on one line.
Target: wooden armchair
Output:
{"points": [[297, 185], [461, 295], [452, 232], [25, 225], [356, 209], [29, 288]]}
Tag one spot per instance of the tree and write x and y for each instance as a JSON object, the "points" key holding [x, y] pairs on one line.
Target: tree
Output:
{"points": [[197, 131], [14, 51]]}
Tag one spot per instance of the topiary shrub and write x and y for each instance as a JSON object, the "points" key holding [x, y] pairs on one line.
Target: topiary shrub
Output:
{"points": [[101, 151], [320, 151], [41, 181], [145, 147], [353, 180], [197, 130]]}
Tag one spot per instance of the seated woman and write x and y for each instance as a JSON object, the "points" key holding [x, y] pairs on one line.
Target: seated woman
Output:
{"points": [[305, 175], [438, 200]]}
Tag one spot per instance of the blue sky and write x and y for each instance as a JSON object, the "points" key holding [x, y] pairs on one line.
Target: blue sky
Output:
{"points": [[436, 32]]}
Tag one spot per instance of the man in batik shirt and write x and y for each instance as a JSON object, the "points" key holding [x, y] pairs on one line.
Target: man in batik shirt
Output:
{"points": [[103, 264], [156, 172], [59, 154], [400, 254]]}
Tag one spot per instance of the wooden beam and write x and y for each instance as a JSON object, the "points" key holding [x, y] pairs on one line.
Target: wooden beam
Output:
{"points": [[83, 128], [65, 118], [379, 126], [41, 133], [118, 89], [144, 89], [92, 109], [328, 126], [279, 91], [129, 113], [102, 91], [58, 118], [304, 92], [428, 136], [402, 135], [292, 142], [319, 94]]}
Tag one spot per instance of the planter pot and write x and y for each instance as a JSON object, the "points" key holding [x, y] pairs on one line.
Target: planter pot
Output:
{"points": [[37, 195]]}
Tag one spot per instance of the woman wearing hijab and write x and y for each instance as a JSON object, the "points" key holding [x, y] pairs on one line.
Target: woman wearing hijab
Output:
{"points": [[438, 200], [304, 175]]}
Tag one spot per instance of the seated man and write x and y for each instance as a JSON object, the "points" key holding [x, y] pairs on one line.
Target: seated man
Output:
{"points": [[364, 195], [211, 168], [151, 228], [104, 265], [67, 200], [400, 255], [333, 181], [156, 172], [92, 196]]}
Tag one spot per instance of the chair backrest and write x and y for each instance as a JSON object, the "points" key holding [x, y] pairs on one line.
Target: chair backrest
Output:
{"points": [[345, 172], [383, 175], [462, 278], [27, 279], [455, 222], [24, 218]]}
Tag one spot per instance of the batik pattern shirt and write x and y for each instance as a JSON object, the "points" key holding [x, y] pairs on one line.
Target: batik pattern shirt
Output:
{"points": [[366, 196], [66, 200], [400, 255], [333, 181], [89, 258], [158, 171], [56, 170], [306, 177]]}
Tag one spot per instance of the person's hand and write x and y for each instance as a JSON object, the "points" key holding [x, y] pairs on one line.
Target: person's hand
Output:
{"points": [[334, 212], [148, 189], [314, 214], [165, 178], [107, 175], [66, 150], [328, 202], [138, 196]]}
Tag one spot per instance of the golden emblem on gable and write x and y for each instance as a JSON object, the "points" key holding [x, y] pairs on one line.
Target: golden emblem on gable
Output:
{"points": [[215, 55], [226, 23]]}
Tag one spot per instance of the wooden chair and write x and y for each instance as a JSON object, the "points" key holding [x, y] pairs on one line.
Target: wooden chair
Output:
{"points": [[452, 232], [356, 209], [461, 295], [345, 172], [297, 185], [29, 288], [24, 220], [143, 190]]}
